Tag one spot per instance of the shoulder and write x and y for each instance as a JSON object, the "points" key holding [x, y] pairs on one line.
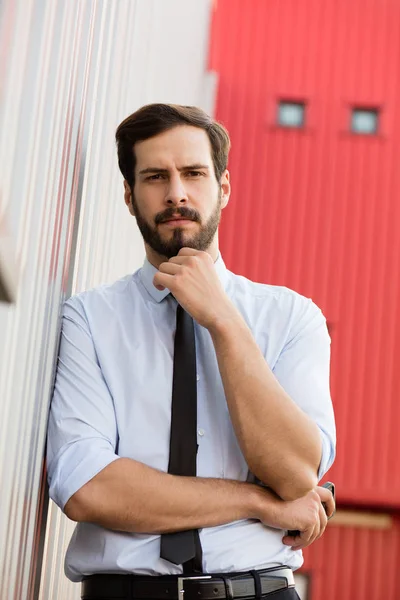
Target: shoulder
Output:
{"points": [[279, 296], [101, 298], [277, 306]]}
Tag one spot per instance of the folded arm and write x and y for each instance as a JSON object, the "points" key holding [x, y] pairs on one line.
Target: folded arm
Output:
{"points": [[90, 482], [275, 413], [278, 416], [130, 496]]}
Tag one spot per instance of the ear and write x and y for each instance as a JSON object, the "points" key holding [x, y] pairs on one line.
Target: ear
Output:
{"points": [[225, 187], [128, 197]]}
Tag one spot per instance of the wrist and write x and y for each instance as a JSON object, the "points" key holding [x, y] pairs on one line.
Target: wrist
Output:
{"points": [[262, 500], [225, 322], [249, 501], [266, 506], [255, 501]]}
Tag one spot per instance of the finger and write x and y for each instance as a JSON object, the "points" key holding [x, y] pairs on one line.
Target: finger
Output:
{"points": [[327, 499], [318, 530], [330, 506], [170, 268], [290, 540], [306, 538], [325, 495], [309, 536], [163, 280], [300, 540], [321, 524], [189, 252], [323, 519], [178, 260], [184, 260]]}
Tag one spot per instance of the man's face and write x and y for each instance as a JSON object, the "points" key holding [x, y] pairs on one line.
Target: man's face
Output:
{"points": [[177, 200]]}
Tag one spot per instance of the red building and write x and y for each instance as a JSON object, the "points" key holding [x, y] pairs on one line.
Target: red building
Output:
{"points": [[310, 92]]}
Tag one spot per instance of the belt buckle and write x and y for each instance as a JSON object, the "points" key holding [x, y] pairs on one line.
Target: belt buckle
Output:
{"points": [[181, 590]]}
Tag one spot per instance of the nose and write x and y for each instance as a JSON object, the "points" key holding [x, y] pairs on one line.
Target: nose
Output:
{"points": [[176, 192]]}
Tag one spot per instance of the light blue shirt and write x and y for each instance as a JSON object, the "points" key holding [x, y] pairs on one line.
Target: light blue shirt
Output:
{"points": [[112, 399]]}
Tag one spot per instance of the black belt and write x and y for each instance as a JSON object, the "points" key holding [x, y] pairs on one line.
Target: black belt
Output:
{"points": [[197, 587]]}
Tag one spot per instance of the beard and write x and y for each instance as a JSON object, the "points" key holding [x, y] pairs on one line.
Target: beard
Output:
{"points": [[169, 248]]}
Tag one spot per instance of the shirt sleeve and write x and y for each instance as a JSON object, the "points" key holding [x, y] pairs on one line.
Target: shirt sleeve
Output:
{"points": [[82, 430], [303, 369]]}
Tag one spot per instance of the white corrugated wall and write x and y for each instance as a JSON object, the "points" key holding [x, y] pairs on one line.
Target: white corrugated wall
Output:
{"points": [[70, 72]]}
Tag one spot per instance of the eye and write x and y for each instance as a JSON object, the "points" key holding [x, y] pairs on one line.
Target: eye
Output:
{"points": [[194, 173], [154, 177]]}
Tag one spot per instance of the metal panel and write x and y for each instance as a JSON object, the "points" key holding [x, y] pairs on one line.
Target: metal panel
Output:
{"points": [[8, 268], [353, 563], [71, 72], [316, 209], [42, 132]]}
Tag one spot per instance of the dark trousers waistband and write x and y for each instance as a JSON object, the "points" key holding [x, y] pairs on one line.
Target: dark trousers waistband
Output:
{"points": [[216, 586]]}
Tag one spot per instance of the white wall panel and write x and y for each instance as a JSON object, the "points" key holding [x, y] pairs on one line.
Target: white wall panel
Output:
{"points": [[70, 71]]}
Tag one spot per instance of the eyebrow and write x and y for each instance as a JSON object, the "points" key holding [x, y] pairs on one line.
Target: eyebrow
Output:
{"points": [[153, 170]]}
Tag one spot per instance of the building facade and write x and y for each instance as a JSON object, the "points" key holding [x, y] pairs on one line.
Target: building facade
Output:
{"points": [[70, 72], [310, 92]]}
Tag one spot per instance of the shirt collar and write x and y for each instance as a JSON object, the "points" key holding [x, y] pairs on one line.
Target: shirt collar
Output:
{"points": [[148, 271]]}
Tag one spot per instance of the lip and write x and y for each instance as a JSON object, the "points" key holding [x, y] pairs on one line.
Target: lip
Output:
{"points": [[177, 221]]}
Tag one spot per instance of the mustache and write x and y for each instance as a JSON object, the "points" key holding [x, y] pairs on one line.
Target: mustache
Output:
{"points": [[183, 211]]}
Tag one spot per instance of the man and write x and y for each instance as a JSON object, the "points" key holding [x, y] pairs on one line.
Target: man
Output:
{"points": [[259, 359]]}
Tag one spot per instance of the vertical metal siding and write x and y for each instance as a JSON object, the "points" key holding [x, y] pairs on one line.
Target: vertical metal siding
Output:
{"points": [[350, 563], [317, 209], [71, 72]]}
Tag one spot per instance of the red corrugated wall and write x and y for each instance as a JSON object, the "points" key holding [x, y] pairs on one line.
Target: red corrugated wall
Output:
{"points": [[318, 209], [353, 563]]}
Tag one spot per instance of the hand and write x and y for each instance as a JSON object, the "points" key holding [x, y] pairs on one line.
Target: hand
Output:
{"points": [[306, 515], [319, 506], [192, 279]]}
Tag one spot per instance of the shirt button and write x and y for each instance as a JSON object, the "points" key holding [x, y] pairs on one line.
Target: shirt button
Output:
{"points": [[201, 432], [198, 377]]}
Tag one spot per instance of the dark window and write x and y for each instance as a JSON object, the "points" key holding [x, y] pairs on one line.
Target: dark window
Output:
{"points": [[364, 121], [291, 114]]}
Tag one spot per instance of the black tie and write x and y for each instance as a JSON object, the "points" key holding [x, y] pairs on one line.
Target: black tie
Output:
{"points": [[183, 547]]}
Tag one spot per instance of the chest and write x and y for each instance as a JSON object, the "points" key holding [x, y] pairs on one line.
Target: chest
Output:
{"points": [[136, 360]]}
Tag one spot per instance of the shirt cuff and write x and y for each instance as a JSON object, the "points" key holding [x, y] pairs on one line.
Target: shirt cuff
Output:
{"points": [[78, 464], [327, 456]]}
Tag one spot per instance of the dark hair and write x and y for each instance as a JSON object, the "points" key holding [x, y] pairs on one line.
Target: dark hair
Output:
{"points": [[152, 119]]}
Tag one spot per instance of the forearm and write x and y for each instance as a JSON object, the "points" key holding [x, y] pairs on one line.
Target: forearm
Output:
{"points": [[281, 444], [130, 496]]}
